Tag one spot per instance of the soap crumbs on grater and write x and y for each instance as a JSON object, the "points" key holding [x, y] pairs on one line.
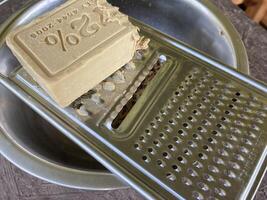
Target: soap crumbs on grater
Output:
{"points": [[102, 97]]}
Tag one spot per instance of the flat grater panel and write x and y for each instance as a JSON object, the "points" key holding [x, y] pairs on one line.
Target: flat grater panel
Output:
{"points": [[197, 129]]}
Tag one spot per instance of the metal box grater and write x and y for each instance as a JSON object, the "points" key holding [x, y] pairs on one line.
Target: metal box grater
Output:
{"points": [[178, 125]]}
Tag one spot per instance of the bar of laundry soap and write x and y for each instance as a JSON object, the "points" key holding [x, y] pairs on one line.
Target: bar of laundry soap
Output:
{"points": [[71, 49]]}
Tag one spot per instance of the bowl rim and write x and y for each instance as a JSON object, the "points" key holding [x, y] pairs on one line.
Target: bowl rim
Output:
{"points": [[54, 173]]}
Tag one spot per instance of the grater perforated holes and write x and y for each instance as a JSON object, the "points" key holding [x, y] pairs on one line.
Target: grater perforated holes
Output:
{"points": [[252, 135], [153, 125], [169, 106], [230, 173], [211, 116], [192, 144], [215, 109], [234, 100], [258, 120], [247, 142], [181, 87], [205, 122], [219, 103], [188, 103], [228, 145], [146, 158], [225, 182], [196, 195], [196, 112], [224, 119], [227, 91], [148, 132], [208, 177], [199, 105], [196, 91], [161, 163], [166, 155], [218, 160], [158, 119], [210, 94], [176, 168], [216, 133], [244, 150], [172, 122], [177, 93], [247, 110], [238, 94], [213, 169], [254, 105], [192, 172], [220, 192], [222, 161], [142, 139], [174, 100], [167, 128], [242, 116], [151, 151], [220, 126], [200, 85], [255, 127], [186, 181], [223, 97], [163, 112], [203, 186], [207, 148], [205, 80], [235, 130], [205, 100], [191, 97], [157, 143], [234, 165], [182, 108], [223, 152], [201, 129], [208, 74], [239, 123], [181, 159], [212, 140], [170, 176], [216, 82], [172, 147], [187, 152], [202, 156], [137, 146], [163, 136], [227, 112], [178, 115], [186, 125], [262, 114], [177, 140], [197, 136], [190, 118], [239, 157], [213, 88]]}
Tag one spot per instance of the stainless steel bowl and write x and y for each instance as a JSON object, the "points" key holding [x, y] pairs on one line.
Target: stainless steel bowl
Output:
{"points": [[32, 144]]}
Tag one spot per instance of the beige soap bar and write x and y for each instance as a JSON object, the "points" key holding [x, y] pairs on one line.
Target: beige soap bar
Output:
{"points": [[74, 47]]}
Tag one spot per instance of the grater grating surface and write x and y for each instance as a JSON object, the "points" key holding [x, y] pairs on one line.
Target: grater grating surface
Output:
{"points": [[195, 131]]}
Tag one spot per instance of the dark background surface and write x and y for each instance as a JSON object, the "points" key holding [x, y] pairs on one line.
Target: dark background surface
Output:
{"points": [[17, 185]]}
